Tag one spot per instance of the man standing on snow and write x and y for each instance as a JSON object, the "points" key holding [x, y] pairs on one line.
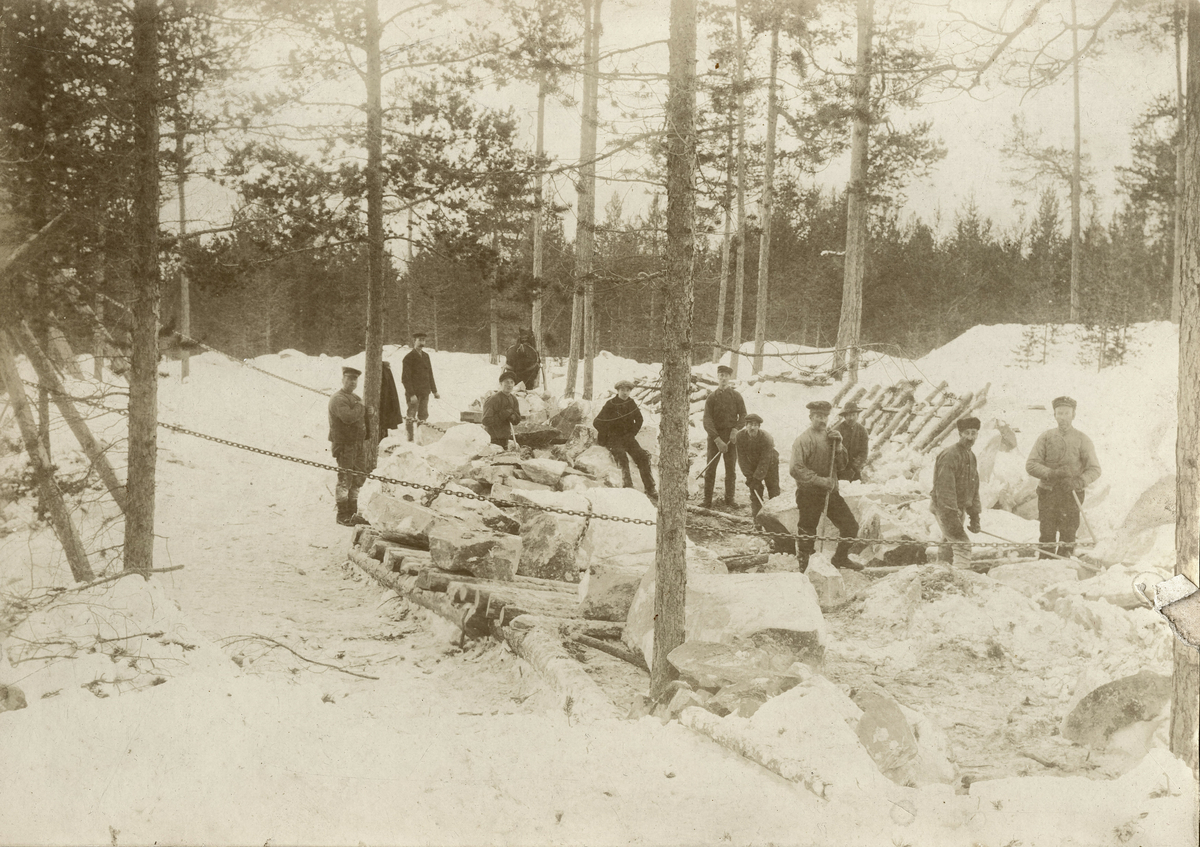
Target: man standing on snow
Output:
{"points": [[416, 375], [347, 432], [617, 427], [856, 441], [501, 412], [523, 360], [759, 461], [724, 411], [1064, 461], [955, 493], [817, 456]]}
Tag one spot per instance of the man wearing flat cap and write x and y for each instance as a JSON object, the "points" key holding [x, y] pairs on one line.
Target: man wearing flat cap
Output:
{"points": [[759, 461], [501, 412], [617, 427], [724, 411], [955, 494], [817, 456], [416, 375], [347, 432], [855, 440], [1064, 461]]}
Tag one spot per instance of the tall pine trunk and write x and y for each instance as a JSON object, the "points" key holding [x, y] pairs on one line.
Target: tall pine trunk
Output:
{"points": [[585, 215], [670, 572], [536, 317], [1076, 176], [1181, 16], [739, 285], [587, 204], [726, 238], [144, 274], [768, 206], [1186, 702], [373, 372], [857, 203]]}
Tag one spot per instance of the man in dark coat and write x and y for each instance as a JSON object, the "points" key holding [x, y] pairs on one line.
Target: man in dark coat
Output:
{"points": [[390, 415], [955, 494], [855, 440], [347, 432], [724, 411], [416, 374], [523, 360], [1064, 461], [617, 427], [759, 461], [817, 456], [501, 412]]}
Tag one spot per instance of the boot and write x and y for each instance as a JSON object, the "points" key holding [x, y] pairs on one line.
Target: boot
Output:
{"points": [[841, 558], [802, 559], [408, 428]]}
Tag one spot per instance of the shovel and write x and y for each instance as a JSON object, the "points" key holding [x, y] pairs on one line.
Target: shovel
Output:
{"points": [[1086, 522]]}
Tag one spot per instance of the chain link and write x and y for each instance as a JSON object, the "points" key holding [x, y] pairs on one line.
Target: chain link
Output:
{"points": [[466, 495]]}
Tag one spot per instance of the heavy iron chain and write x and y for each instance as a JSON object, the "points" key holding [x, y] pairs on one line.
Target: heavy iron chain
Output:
{"points": [[466, 495]]}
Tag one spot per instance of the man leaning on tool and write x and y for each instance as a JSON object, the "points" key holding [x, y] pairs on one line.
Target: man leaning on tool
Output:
{"points": [[724, 411], [817, 456], [347, 432], [1064, 461], [759, 461], [955, 494]]}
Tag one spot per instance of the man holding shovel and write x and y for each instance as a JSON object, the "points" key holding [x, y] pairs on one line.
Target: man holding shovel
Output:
{"points": [[1064, 461], [817, 456], [759, 461], [955, 494]]}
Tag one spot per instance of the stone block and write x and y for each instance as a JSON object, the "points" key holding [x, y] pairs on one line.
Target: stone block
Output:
{"points": [[484, 554], [886, 736], [607, 587], [453, 452], [745, 698], [548, 543], [827, 581], [401, 519], [598, 462], [480, 514], [1114, 706], [566, 419], [605, 538], [712, 665], [779, 514], [544, 471], [730, 608]]}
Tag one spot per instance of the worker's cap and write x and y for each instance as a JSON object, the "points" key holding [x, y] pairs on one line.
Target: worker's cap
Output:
{"points": [[417, 335], [351, 371], [623, 383], [753, 418], [1063, 401], [820, 406], [724, 369], [967, 423], [850, 408], [508, 375]]}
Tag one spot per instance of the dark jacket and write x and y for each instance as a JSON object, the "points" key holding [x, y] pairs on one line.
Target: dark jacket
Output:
{"points": [[500, 411], [390, 415], [755, 454], [956, 480], [724, 410], [523, 360], [857, 444], [417, 374], [617, 421], [347, 418]]}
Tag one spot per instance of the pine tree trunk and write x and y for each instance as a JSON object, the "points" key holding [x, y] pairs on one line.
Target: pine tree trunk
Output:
{"points": [[1185, 706], [376, 255], [1076, 176], [185, 293], [739, 285], [587, 200], [585, 217], [1181, 17], [670, 571], [144, 276], [726, 239], [857, 203], [536, 317], [768, 205]]}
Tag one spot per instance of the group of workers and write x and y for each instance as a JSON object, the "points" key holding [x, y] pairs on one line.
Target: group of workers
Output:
{"points": [[1063, 459]]}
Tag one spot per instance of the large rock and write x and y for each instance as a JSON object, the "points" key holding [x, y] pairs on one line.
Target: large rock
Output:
{"points": [[432, 432], [538, 434], [745, 698], [605, 538], [497, 471], [827, 581], [408, 464], [582, 437], [779, 515], [608, 586], [885, 734], [545, 471], [549, 539], [731, 608], [489, 555], [402, 520], [479, 514], [1112, 707], [453, 452], [712, 665], [598, 462], [568, 418]]}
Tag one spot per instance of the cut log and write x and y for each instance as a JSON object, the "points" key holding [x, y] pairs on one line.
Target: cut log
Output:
{"points": [[936, 393], [977, 402], [957, 411], [745, 561], [896, 418], [580, 696], [471, 625], [435, 579], [617, 650], [570, 627]]}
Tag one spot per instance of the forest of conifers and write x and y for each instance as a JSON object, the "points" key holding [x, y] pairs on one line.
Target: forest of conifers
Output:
{"points": [[459, 181]]}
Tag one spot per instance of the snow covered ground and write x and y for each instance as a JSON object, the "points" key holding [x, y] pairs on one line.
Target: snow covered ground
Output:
{"points": [[175, 710]]}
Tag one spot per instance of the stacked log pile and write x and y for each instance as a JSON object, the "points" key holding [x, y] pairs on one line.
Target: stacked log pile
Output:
{"points": [[894, 415]]}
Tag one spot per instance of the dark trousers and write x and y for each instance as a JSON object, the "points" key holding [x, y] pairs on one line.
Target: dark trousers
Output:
{"points": [[349, 456], [621, 450], [810, 503], [710, 475], [418, 410], [756, 487], [1058, 517]]}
